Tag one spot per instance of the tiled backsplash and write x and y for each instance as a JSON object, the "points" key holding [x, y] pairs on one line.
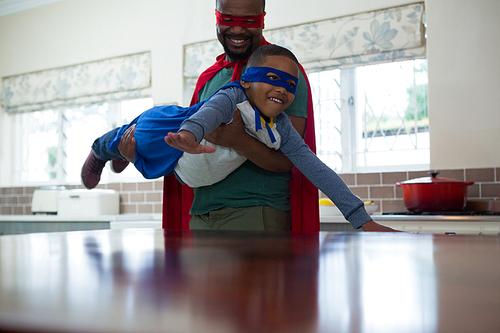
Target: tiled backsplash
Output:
{"points": [[381, 186], [135, 198], [146, 197]]}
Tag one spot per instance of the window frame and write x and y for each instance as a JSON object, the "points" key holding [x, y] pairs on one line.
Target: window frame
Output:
{"points": [[113, 119], [351, 127]]}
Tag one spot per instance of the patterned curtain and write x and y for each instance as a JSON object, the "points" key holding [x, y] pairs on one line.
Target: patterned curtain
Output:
{"points": [[114, 79], [379, 36]]}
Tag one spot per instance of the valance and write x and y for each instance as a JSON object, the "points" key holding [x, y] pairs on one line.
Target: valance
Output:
{"points": [[114, 79], [378, 36]]}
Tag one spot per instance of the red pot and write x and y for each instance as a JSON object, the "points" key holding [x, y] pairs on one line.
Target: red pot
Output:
{"points": [[432, 194]]}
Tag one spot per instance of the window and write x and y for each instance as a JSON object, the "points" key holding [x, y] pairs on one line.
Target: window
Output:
{"points": [[50, 146], [53, 144], [369, 85], [372, 117]]}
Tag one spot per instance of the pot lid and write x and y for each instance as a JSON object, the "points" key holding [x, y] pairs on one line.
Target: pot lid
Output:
{"points": [[433, 179]]}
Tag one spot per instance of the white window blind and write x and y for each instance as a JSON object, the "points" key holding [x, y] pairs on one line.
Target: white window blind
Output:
{"points": [[384, 35], [115, 79]]}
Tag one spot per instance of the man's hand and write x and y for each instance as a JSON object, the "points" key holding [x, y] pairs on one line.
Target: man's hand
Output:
{"points": [[231, 135], [373, 226], [234, 136], [126, 147], [186, 142]]}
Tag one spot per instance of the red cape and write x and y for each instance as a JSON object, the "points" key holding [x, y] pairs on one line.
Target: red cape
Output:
{"points": [[177, 198]]}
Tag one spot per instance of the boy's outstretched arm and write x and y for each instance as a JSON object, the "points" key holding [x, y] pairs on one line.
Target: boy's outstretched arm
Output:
{"points": [[186, 142]]}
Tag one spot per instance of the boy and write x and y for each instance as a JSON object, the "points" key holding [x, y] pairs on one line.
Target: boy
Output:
{"points": [[267, 88]]}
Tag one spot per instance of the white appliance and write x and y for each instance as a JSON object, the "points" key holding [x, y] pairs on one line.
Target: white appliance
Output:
{"points": [[45, 199], [82, 202]]}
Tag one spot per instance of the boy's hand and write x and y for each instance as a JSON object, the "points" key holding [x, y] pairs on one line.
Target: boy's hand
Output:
{"points": [[373, 226], [186, 142]]}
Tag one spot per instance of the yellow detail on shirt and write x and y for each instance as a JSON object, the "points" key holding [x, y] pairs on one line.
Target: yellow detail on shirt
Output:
{"points": [[271, 121]]}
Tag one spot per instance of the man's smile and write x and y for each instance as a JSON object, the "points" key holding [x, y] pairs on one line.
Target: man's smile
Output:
{"points": [[237, 40]]}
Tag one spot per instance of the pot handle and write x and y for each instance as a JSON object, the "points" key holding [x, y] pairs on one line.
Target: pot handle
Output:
{"points": [[468, 183]]}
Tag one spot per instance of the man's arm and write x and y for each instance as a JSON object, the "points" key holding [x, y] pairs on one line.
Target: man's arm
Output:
{"points": [[234, 136]]}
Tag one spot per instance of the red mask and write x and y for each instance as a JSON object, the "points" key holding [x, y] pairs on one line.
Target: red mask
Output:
{"points": [[240, 21]]}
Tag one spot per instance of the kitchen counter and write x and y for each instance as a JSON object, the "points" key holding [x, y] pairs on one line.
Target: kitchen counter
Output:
{"points": [[146, 280], [473, 225], [20, 224], [96, 218], [435, 224]]}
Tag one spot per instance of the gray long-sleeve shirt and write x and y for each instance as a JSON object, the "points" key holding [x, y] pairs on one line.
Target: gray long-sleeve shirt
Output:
{"points": [[220, 109]]}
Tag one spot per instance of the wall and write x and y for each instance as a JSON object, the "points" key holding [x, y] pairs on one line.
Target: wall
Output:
{"points": [[75, 31], [464, 81]]}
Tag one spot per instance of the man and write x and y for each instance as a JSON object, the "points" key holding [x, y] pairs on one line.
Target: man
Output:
{"points": [[258, 192], [257, 195]]}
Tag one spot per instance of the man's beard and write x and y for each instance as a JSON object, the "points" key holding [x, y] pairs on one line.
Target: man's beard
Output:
{"points": [[238, 56]]}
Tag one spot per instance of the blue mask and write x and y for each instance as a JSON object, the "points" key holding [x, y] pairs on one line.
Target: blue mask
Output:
{"points": [[259, 74]]}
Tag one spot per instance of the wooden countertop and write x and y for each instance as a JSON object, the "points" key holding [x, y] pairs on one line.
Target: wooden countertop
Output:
{"points": [[146, 280]]}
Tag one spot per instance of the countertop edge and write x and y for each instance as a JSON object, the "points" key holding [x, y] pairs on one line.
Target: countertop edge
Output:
{"points": [[96, 218], [323, 218]]}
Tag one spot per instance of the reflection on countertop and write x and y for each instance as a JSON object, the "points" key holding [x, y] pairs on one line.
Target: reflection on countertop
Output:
{"points": [[148, 280]]}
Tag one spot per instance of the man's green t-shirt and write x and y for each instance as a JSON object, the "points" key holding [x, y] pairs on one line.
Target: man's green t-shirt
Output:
{"points": [[249, 185]]}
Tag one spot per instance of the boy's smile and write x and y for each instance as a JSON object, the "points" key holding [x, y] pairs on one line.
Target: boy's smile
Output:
{"points": [[271, 100]]}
